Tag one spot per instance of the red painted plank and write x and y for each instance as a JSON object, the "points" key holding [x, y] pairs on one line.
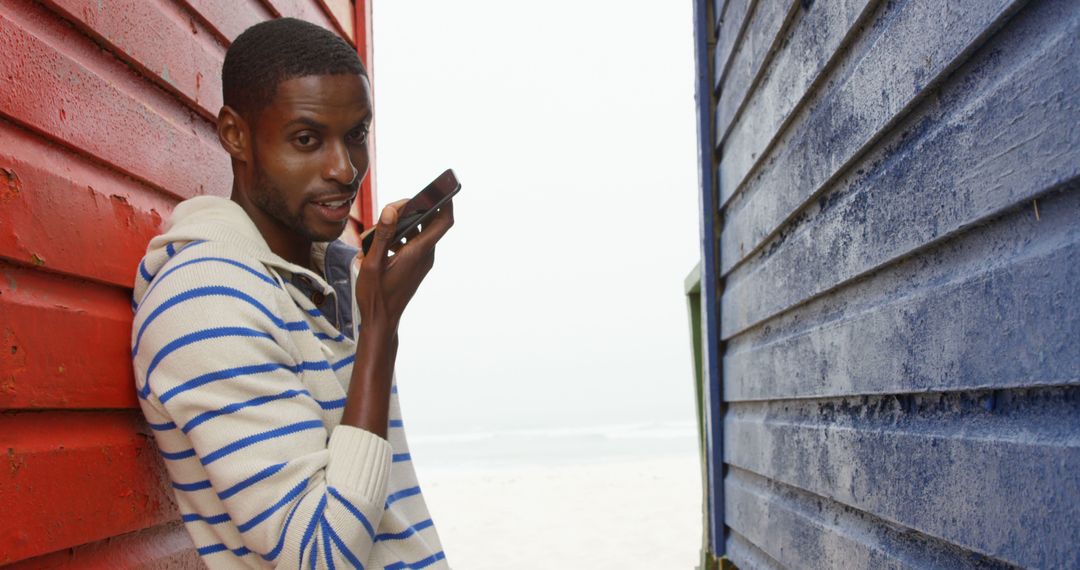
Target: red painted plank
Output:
{"points": [[160, 40], [364, 211], [310, 11], [89, 209], [353, 230], [364, 32], [342, 12], [76, 477], [59, 85], [228, 19], [164, 547], [65, 343]]}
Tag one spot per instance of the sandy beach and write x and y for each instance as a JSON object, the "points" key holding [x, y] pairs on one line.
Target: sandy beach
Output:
{"points": [[620, 513]]}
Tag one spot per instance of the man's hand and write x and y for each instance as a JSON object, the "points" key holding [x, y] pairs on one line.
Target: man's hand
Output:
{"points": [[387, 283], [383, 289]]}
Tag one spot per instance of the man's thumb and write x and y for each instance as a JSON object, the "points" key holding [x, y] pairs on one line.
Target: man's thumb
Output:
{"points": [[384, 230]]}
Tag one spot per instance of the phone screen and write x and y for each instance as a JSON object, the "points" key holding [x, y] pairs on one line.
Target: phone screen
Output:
{"points": [[421, 207], [433, 195]]}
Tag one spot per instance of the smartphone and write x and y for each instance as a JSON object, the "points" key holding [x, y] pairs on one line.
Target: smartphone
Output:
{"points": [[421, 207]]}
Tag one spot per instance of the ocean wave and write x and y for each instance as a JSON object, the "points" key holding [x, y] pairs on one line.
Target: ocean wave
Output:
{"points": [[643, 430]]}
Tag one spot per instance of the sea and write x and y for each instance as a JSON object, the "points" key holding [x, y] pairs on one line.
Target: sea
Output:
{"points": [[553, 446]]}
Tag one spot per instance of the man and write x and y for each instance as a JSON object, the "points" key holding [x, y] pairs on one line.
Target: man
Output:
{"points": [[275, 411]]}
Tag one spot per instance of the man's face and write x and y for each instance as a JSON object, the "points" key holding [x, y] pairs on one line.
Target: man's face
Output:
{"points": [[310, 155]]}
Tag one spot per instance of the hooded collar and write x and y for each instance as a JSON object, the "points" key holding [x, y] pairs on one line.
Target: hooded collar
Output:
{"points": [[212, 218]]}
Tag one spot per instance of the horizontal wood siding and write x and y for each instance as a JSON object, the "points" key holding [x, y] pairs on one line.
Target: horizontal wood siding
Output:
{"points": [[107, 120], [898, 187]]}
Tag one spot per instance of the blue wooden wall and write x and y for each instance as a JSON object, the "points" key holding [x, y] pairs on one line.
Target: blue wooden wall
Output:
{"points": [[894, 205]]}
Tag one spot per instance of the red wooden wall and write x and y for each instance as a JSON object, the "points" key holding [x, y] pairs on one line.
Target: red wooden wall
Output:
{"points": [[107, 111]]}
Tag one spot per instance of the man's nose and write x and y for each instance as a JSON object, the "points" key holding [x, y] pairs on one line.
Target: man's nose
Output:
{"points": [[339, 166]]}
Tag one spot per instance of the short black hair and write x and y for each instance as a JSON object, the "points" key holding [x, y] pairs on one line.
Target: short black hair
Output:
{"points": [[270, 52]]}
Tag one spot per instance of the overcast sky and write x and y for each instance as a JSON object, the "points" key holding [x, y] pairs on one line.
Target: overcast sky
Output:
{"points": [[557, 298]]}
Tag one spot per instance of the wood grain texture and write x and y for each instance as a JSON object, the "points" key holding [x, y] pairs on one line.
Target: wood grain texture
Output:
{"points": [[90, 208], [732, 24], [309, 10], [342, 12], [909, 46], [932, 330], [770, 519], [898, 193], [814, 40], [226, 20], [164, 547], [64, 88], [107, 120], [993, 472], [751, 58], [165, 43], [66, 343], [950, 158], [73, 478]]}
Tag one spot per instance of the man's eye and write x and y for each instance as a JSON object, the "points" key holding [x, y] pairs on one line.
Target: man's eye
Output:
{"points": [[358, 136], [305, 140]]}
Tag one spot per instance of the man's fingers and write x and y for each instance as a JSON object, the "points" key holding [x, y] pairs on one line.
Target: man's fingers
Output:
{"points": [[425, 238], [363, 236], [437, 226], [384, 232]]}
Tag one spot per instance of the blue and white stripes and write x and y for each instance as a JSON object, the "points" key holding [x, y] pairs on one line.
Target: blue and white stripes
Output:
{"points": [[243, 382]]}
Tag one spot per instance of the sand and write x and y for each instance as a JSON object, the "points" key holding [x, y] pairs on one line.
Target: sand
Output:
{"points": [[621, 514]]}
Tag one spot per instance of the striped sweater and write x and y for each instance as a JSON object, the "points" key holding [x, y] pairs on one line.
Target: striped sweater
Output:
{"points": [[243, 381]]}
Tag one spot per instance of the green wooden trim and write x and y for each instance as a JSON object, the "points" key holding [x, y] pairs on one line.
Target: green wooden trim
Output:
{"points": [[709, 561], [692, 283], [692, 287]]}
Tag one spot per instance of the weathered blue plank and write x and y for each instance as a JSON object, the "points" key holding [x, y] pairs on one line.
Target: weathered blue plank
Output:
{"points": [[935, 321], [995, 472], [751, 58], [712, 383], [718, 7], [747, 555], [919, 42], [947, 167], [805, 531], [815, 41], [732, 27], [900, 204]]}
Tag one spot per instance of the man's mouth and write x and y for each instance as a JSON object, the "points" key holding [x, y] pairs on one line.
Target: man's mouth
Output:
{"points": [[336, 209], [336, 201]]}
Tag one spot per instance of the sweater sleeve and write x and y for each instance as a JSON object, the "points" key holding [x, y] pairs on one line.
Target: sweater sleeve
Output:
{"points": [[211, 353]]}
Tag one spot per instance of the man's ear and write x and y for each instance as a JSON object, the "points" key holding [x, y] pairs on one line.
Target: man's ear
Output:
{"points": [[234, 134]]}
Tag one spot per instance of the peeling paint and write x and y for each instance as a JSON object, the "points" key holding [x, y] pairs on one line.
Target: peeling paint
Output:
{"points": [[124, 212], [80, 113], [15, 462], [12, 186], [898, 288], [166, 78]]}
